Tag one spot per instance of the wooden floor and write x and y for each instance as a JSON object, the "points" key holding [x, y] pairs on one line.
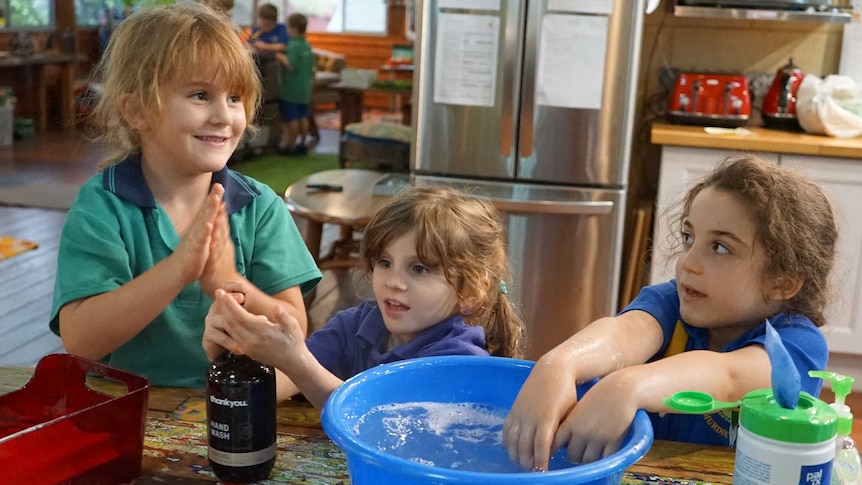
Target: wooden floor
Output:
{"points": [[27, 280]]}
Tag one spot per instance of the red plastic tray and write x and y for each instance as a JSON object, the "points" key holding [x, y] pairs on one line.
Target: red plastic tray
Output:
{"points": [[55, 429]]}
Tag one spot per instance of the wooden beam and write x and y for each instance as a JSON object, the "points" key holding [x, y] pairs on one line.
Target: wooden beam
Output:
{"points": [[64, 15]]}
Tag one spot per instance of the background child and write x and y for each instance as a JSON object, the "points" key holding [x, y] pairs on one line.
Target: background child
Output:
{"points": [[757, 242], [149, 240], [438, 268], [268, 35], [297, 76]]}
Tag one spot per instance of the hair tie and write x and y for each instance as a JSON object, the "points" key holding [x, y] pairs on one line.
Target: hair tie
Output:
{"points": [[503, 288]]}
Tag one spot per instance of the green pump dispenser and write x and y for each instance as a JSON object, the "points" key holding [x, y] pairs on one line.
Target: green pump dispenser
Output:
{"points": [[847, 466]]}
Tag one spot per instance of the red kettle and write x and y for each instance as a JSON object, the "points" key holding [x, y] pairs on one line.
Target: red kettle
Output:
{"points": [[779, 104]]}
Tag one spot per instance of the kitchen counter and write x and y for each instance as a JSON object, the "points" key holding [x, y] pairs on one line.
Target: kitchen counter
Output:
{"points": [[763, 140]]}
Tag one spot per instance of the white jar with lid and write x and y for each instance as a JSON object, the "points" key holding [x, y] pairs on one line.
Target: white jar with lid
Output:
{"points": [[779, 446]]}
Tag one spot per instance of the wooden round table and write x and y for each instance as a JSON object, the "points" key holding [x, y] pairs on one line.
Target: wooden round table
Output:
{"points": [[351, 208]]}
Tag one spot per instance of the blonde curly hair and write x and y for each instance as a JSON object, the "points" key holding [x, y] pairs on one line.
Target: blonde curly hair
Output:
{"points": [[154, 47]]}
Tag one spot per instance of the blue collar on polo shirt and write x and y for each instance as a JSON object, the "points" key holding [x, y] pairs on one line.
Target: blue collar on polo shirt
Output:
{"points": [[126, 180]]}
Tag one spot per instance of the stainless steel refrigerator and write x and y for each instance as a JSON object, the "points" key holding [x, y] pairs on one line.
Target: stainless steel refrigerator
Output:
{"points": [[531, 104]]}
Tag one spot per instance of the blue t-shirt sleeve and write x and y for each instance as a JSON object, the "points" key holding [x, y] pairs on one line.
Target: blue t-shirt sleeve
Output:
{"points": [[662, 302], [280, 35], [804, 342]]}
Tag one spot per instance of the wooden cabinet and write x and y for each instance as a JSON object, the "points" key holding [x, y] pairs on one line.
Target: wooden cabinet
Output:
{"points": [[841, 180]]}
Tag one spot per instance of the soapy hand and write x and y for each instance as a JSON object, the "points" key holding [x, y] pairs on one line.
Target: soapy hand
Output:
{"points": [[588, 438], [229, 326], [529, 429]]}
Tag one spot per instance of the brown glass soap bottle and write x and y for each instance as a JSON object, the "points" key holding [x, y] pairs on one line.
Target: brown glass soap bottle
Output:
{"points": [[241, 415]]}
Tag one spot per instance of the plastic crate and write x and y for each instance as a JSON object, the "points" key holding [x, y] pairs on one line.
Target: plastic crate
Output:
{"points": [[55, 429]]}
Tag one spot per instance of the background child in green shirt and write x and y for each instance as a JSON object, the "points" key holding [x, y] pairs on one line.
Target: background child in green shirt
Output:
{"points": [[296, 78]]}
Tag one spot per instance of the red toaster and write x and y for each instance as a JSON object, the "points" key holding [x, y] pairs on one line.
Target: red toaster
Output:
{"points": [[710, 100]]}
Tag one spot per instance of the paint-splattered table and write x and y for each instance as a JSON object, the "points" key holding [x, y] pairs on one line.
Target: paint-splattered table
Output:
{"points": [[175, 445]]}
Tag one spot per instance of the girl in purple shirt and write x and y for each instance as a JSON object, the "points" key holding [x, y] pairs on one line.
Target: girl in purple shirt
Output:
{"points": [[438, 268]]}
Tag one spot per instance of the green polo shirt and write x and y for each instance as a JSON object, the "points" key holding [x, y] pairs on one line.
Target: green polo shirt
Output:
{"points": [[116, 230], [296, 82]]}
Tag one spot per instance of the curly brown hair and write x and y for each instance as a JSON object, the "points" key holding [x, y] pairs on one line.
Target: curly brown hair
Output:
{"points": [[794, 223], [465, 237]]}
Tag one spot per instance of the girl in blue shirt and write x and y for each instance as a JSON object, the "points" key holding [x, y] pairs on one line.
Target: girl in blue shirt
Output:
{"points": [[438, 268], [757, 242]]}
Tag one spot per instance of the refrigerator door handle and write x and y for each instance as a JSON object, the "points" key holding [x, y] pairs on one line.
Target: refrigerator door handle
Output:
{"points": [[511, 206], [513, 40], [506, 135], [535, 12]]}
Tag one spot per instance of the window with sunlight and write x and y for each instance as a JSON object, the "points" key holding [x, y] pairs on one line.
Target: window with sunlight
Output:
{"points": [[90, 13], [26, 14], [335, 16], [338, 16]]}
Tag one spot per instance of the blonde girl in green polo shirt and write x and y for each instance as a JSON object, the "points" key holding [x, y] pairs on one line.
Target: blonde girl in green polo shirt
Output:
{"points": [[150, 238]]}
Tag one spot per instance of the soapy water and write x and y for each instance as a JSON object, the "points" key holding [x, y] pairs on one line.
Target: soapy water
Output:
{"points": [[457, 436]]}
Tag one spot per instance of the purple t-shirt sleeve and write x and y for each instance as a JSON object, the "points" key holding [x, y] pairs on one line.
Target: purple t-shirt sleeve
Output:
{"points": [[461, 340], [334, 343], [352, 340]]}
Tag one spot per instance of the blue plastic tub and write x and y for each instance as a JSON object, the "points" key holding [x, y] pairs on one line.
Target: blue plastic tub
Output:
{"points": [[488, 381]]}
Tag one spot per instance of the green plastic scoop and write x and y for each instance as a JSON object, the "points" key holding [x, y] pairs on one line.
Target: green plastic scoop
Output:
{"points": [[786, 383], [694, 402]]}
